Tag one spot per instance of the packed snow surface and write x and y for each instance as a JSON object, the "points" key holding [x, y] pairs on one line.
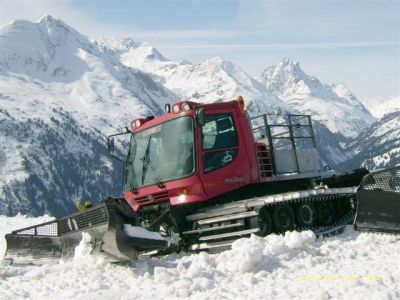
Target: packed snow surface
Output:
{"points": [[350, 266]]}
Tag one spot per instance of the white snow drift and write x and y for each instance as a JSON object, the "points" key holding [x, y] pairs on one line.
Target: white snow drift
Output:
{"points": [[351, 266]]}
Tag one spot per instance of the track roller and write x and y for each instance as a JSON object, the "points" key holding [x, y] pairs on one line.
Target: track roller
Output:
{"points": [[326, 212], [283, 217], [306, 215], [265, 223]]}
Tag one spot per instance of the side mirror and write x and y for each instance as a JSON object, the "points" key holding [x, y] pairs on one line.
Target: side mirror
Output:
{"points": [[110, 145], [200, 117], [120, 144]]}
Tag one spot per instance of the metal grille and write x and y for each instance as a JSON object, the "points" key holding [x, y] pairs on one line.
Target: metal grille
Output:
{"points": [[45, 229], [386, 180], [149, 199], [84, 220], [79, 221]]}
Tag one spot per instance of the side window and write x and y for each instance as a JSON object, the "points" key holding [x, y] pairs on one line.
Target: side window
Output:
{"points": [[219, 132], [220, 143]]}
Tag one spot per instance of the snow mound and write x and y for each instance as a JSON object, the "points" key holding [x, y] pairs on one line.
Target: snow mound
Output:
{"points": [[248, 254], [84, 247]]}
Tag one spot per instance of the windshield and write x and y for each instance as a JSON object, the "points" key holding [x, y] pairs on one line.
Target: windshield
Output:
{"points": [[160, 153]]}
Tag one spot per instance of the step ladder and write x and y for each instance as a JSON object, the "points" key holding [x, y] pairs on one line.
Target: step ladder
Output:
{"points": [[265, 163]]}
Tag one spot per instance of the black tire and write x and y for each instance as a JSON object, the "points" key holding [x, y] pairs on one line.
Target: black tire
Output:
{"points": [[306, 215], [265, 224], [326, 213], [283, 218]]}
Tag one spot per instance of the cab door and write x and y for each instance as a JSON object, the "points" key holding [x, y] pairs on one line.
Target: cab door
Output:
{"points": [[225, 164]]}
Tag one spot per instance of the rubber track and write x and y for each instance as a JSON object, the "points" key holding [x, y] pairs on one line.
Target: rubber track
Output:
{"points": [[288, 198]]}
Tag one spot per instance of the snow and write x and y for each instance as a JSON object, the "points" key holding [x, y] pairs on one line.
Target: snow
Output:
{"points": [[140, 232], [378, 146], [333, 105], [47, 68], [383, 160], [297, 265], [52, 74], [215, 79], [382, 106], [8, 224], [84, 247]]}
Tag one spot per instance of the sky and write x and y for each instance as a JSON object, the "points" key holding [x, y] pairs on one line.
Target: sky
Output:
{"points": [[356, 42]]}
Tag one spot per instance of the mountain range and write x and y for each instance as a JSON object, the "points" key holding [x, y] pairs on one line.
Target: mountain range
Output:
{"points": [[61, 93]]}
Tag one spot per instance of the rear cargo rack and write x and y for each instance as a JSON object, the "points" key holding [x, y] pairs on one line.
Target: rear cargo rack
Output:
{"points": [[291, 141]]}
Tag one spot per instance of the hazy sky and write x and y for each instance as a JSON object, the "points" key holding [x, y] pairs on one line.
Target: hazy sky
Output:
{"points": [[356, 42]]}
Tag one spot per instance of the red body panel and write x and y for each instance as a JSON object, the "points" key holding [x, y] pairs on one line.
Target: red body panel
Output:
{"points": [[201, 186]]}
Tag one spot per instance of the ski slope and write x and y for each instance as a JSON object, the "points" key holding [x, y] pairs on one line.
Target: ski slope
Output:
{"points": [[350, 266]]}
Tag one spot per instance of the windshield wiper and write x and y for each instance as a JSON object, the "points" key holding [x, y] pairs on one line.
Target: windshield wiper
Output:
{"points": [[133, 188], [128, 170], [128, 177], [147, 163]]}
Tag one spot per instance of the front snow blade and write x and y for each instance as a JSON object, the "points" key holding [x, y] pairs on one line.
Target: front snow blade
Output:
{"points": [[55, 240], [378, 202]]}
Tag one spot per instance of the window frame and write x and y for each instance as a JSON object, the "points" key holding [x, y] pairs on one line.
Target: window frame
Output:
{"points": [[194, 152], [220, 149]]}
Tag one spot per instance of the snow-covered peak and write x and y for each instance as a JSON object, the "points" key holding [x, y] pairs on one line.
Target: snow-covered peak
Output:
{"points": [[333, 105], [185, 62], [55, 29], [212, 80], [217, 60], [342, 90], [148, 52], [288, 77], [44, 50], [48, 21], [131, 50], [117, 44], [70, 70], [218, 63], [344, 93], [287, 65], [14, 24], [378, 146], [382, 105], [46, 18]]}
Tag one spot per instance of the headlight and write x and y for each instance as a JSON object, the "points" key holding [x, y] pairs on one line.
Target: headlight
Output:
{"points": [[185, 106], [175, 108]]}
